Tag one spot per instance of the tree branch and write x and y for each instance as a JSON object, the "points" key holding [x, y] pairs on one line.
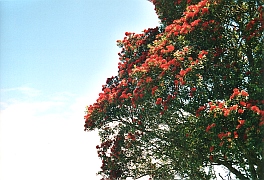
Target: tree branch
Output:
{"points": [[233, 170]]}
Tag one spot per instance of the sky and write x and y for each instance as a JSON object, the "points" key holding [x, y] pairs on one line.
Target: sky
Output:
{"points": [[54, 58]]}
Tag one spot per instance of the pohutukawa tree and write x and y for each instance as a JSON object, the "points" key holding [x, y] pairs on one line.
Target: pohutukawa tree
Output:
{"points": [[188, 96]]}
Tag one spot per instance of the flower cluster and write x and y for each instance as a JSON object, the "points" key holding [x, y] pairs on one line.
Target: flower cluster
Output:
{"points": [[231, 118], [174, 84]]}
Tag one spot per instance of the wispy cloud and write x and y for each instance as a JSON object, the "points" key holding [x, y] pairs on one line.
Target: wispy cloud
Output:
{"points": [[24, 90]]}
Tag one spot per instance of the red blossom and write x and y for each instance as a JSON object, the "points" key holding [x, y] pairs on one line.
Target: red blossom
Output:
{"points": [[201, 108], [202, 3], [241, 121], [124, 96], [240, 111], [205, 10], [170, 48], [235, 134], [131, 136], [159, 101], [244, 93], [213, 125], [221, 135], [248, 105], [202, 53], [255, 109], [196, 22], [182, 73], [221, 143], [193, 89], [221, 105], [235, 93], [188, 69], [233, 108], [242, 103], [212, 107], [211, 148], [148, 79], [154, 89], [236, 90], [226, 112], [209, 127]]}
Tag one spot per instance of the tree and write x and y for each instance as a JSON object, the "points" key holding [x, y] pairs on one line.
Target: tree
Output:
{"points": [[188, 95]]}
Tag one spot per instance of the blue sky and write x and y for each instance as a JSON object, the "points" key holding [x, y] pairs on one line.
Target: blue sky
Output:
{"points": [[54, 58]]}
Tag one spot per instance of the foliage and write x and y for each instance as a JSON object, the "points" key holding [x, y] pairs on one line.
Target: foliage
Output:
{"points": [[188, 95]]}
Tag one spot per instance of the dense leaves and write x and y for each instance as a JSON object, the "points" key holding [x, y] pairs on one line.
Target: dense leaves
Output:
{"points": [[188, 95]]}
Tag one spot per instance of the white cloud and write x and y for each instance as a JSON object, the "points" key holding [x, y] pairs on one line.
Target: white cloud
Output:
{"points": [[45, 140]]}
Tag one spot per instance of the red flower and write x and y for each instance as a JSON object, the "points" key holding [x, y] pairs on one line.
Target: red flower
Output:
{"points": [[212, 107], [131, 136], [221, 143], [196, 22], [234, 107], [226, 112], [182, 73], [124, 96], [202, 53], [241, 121], [244, 93], [202, 3], [235, 134], [221, 104], [107, 90], [189, 15], [176, 82], [193, 89], [127, 33], [261, 123], [242, 103], [201, 108], [205, 10], [255, 109], [159, 101], [221, 135], [211, 148], [170, 48], [240, 111], [148, 79], [249, 105], [236, 90], [153, 90], [188, 69], [213, 125], [208, 128]]}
